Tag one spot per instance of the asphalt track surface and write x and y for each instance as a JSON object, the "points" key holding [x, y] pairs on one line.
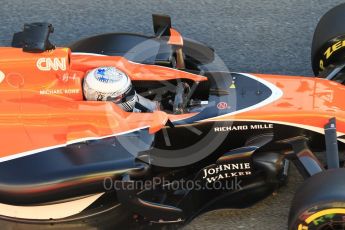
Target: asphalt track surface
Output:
{"points": [[256, 36]]}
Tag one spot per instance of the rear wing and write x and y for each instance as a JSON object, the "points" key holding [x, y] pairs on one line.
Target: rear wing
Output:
{"points": [[162, 28], [161, 25]]}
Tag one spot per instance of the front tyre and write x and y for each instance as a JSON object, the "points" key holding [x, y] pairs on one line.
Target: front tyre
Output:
{"points": [[319, 204]]}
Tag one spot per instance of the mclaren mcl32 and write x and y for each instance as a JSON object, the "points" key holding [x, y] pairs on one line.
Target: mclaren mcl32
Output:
{"points": [[180, 136]]}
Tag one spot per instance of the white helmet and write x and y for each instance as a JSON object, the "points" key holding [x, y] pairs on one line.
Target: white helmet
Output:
{"points": [[110, 84]]}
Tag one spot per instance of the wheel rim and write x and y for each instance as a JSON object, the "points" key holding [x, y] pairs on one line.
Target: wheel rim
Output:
{"points": [[334, 225], [330, 219]]}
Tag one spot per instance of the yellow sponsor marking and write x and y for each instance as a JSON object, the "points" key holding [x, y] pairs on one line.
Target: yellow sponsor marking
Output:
{"points": [[302, 227], [321, 65], [334, 48], [323, 213], [232, 86]]}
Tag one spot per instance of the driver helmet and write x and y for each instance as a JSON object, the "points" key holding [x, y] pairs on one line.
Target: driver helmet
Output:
{"points": [[110, 84]]}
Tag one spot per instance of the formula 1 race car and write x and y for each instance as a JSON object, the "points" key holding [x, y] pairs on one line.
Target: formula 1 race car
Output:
{"points": [[128, 131]]}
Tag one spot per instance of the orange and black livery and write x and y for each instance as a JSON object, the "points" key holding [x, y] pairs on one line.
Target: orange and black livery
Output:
{"points": [[69, 162]]}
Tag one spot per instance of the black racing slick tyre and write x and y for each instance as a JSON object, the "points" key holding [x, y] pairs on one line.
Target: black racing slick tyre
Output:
{"points": [[328, 45], [319, 204]]}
